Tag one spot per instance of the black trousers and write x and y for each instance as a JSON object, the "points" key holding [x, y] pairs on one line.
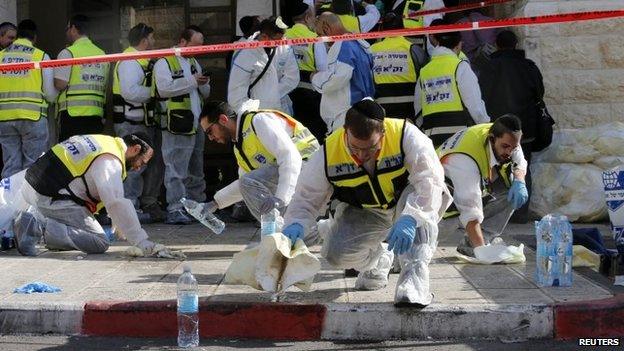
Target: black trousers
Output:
{"points": [[307, 110], [78, 125]]}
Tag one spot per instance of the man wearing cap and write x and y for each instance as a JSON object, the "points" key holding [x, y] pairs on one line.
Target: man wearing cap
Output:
{"points": [[389, 185], [70, 182], [269, 146], [310, 58], [348, 78], [485, 168], [264, 74], [447, 93]]}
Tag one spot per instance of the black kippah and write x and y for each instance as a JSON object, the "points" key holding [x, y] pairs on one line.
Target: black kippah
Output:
{"points": [[370, 109]]}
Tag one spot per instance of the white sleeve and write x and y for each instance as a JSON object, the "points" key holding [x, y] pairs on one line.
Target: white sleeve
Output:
{"points": [[240, 79], [167, 86], [204, 90], [464, 174], [470, 92], [336, 77], [430, 197], [289, 79], [432, 5], [277, 141], [131, 77], [229, 195], [64, 72], [106, 173], [417, 101], [312, 192], [49, 91], [320, 56], [369, 19], [520, 163]]}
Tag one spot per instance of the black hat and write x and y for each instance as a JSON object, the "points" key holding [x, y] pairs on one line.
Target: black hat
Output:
{"points": [[369, 108], [298, 8]]}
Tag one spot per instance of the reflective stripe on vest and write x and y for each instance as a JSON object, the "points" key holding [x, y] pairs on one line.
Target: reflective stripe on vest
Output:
{"points": [[353, 185], [121, 106], [179, 106], [251, 153], [441, 102], [303, 53], [86, 91], [395, 76], [71, 159], [21, 96], [351, 23], [412, 6], [473, 142]]}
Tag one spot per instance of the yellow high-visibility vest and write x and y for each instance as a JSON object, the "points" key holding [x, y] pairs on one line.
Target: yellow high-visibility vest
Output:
{"points": [[120, 106], [251, 153], [85, 94], [351, 182], [21, 91]]}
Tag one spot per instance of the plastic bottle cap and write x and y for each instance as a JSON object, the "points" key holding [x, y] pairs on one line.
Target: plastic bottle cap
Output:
{"points": [[186, 268]]}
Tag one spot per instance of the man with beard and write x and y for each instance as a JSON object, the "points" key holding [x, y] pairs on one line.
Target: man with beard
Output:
{"points": [[73, 180], [485, 169]]}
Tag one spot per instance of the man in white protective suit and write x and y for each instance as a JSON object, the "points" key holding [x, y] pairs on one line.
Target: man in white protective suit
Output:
{"points": [[389, 184], [73, 180]]}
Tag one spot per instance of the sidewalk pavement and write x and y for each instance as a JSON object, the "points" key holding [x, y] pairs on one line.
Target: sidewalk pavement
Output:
{"points": [[113, 295]]}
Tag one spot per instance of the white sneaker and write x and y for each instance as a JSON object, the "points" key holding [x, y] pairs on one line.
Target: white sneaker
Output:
{"points": [[376, 278]]}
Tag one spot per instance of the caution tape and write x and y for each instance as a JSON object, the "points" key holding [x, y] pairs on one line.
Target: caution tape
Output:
{"points": [[458, 8], [207, 49]]}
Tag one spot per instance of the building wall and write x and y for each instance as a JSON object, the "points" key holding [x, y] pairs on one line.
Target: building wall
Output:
{"points": [[8, 10], [582, 63]]}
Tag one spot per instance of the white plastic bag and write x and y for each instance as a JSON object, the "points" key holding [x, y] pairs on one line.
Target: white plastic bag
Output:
{"points": [[11, 199]]}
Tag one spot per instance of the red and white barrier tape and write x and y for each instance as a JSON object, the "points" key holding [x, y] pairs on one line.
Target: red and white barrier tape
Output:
{"points": [[464, 7], [205, 49]]}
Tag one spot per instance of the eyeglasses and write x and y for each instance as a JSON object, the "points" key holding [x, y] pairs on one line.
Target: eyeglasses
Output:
{"points": [[208, 130], [371, 149]]}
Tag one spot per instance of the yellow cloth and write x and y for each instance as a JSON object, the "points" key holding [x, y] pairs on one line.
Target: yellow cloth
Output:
{"points": [[584, 257], [274, 265]]}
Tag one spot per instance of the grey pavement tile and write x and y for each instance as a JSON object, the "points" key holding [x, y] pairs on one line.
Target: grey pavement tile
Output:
{"points": [[494, 277], [515, 296]]}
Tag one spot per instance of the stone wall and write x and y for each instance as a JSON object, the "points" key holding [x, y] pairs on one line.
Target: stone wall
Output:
{"points": [[168, 23], [582, 63], [8, 10]]}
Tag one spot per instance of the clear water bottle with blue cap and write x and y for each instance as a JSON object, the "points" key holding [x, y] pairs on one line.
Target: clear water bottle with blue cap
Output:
{"points": [[554, 251], [188, 309]]}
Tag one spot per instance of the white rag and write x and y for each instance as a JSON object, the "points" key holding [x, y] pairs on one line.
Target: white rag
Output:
{"points": [[274, 265], [495, 253]]}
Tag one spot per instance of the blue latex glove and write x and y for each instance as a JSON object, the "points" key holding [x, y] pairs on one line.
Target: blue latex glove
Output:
{"points": [[37, 287], [293, 232], [518, 194], [402, 235]]}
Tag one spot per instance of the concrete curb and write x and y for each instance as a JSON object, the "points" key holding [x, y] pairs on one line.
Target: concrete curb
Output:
{"points": [[334, 321], [590, 319]]}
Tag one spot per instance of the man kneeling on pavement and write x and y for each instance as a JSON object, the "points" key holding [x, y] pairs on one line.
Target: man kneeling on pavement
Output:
{"points": [[74, 179], [270, 147], [389, 184], [485, 169]]}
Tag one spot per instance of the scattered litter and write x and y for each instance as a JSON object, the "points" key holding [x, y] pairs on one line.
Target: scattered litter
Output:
{"points": [[36, 287], [79, 258]]}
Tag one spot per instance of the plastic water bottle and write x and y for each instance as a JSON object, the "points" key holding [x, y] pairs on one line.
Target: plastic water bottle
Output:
{"points": [[564, 251], [268, 222], [205, 217], [188, 308], [554, 251]]}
